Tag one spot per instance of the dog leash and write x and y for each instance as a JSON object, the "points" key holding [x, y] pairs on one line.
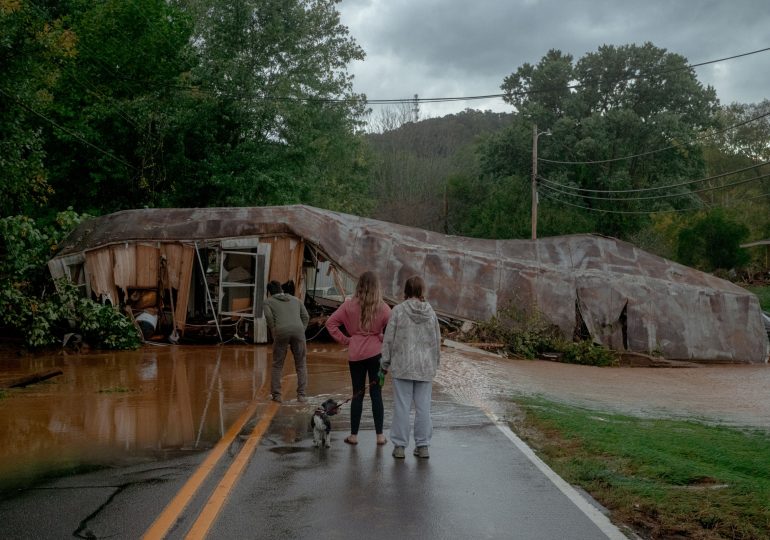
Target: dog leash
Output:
{"points": [[381, 379]]}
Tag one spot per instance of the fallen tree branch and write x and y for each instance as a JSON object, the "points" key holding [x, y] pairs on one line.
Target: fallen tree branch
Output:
{"points": [[32, 378]]}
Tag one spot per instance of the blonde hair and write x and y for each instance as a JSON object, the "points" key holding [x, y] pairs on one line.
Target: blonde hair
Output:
{"points": [[369, 296]]}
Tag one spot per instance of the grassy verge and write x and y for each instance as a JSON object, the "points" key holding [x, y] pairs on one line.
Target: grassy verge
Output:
{"points": [[663, 478], [763, 293]]}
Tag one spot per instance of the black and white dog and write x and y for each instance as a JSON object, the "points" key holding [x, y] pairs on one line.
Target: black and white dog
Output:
{"points": [[321, 425]]}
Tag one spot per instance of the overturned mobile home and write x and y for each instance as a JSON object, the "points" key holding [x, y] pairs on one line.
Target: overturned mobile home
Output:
{"points": [[211, 265]]}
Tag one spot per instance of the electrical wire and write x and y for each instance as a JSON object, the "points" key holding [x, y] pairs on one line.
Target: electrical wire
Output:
{"points": [[658, 197], [647, 212], [561, 89], [667, 186], [65, 130], [433, 99], [670, 147]]}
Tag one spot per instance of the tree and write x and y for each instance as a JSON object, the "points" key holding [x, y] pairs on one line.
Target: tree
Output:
{"points": [[122, 104], [616, 102], [32, 44], [713, 242], [280, 101]]}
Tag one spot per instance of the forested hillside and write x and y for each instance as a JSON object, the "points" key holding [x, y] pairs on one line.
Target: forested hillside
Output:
{"points": [[413, 163]]}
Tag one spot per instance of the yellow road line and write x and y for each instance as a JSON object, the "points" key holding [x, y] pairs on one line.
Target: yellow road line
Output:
{"points": [[218, 497], [174, 509]]}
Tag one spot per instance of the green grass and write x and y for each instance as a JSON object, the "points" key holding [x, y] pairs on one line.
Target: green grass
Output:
{"points": [[663, 478], [763, 293]]}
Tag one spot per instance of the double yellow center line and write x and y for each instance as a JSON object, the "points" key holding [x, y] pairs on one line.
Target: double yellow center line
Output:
{"points": [[170, 515]]}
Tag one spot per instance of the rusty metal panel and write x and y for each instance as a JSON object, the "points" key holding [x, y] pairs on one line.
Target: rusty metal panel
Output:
{"points": [[470, 278]]}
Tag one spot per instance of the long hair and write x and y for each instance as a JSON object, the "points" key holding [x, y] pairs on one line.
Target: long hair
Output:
{"points": [[414, 288], [369, 296]]}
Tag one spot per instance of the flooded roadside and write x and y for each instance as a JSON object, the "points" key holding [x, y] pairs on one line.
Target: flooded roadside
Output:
{"points": [[736, 395], [118, 408], [115, 408]]}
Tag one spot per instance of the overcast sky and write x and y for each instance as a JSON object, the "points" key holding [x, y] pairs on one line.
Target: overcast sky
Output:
{"points": [[441, 48]]}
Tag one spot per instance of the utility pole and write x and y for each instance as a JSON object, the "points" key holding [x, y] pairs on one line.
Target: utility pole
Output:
{"points": [[534, 181], [446, 208], [535, 135]]}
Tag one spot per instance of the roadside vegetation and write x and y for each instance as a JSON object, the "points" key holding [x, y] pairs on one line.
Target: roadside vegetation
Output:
{"points": [[763, 294], [527, 333], [40, 311], [663, 478]]}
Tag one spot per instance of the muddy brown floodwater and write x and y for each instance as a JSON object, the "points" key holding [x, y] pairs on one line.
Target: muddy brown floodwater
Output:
{"points": [[736, 395], [124, 407]]}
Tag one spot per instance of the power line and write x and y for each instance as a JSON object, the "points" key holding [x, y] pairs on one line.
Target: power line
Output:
{"points": [[640, 190], [623, 158], [604, 211], [65, 130], [658, 197], [647, 212], [569, 87], [412, 100]]}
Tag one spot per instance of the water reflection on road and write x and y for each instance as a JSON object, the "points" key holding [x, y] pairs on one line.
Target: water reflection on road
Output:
{"points": [[157, 402], [116, 408]]}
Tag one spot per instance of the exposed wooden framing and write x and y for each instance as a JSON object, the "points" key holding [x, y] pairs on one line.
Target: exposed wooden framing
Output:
{"points": [[208, 292], [264, 256], [179, 263], [297, 258], [147, 266], [337, 280]]}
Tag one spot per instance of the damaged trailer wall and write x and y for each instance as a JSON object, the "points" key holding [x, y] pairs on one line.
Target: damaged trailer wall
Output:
{"points": [[627, 298]]}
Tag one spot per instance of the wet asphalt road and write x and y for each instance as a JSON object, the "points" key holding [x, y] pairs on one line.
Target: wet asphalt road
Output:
{"points": [[477, 484]]}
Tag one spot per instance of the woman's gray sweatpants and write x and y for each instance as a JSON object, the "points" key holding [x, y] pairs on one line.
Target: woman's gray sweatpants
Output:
{"points": [[406, 392]]}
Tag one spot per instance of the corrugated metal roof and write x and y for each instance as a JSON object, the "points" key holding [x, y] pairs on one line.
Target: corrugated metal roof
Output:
{"points": [[667, 307]]}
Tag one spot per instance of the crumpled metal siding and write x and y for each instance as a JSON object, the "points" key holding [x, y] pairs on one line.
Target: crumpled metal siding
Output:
{"points": [[670, 308]]}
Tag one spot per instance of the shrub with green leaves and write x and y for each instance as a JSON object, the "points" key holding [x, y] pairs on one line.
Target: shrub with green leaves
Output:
{"points": [[588, 354], [526, 332], [33, 307]]}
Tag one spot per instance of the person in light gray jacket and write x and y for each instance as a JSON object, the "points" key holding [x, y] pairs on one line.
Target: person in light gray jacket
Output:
{"points": [[411, 353]]}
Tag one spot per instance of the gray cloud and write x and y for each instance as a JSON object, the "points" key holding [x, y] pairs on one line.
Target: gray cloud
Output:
{"points": [[439, 48]]}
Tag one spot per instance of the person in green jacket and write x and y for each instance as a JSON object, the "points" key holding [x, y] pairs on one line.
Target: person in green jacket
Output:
{"points": [[287, 319]]}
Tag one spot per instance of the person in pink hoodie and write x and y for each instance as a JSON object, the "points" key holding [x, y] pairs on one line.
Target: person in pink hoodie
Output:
{"points": [[364, 318]]}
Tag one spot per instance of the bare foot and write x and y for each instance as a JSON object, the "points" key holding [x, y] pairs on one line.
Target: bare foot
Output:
{"points": [[381, 439], [351, 439]]}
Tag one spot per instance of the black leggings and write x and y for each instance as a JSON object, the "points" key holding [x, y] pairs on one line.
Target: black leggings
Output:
{"points": [[358, 372]]}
